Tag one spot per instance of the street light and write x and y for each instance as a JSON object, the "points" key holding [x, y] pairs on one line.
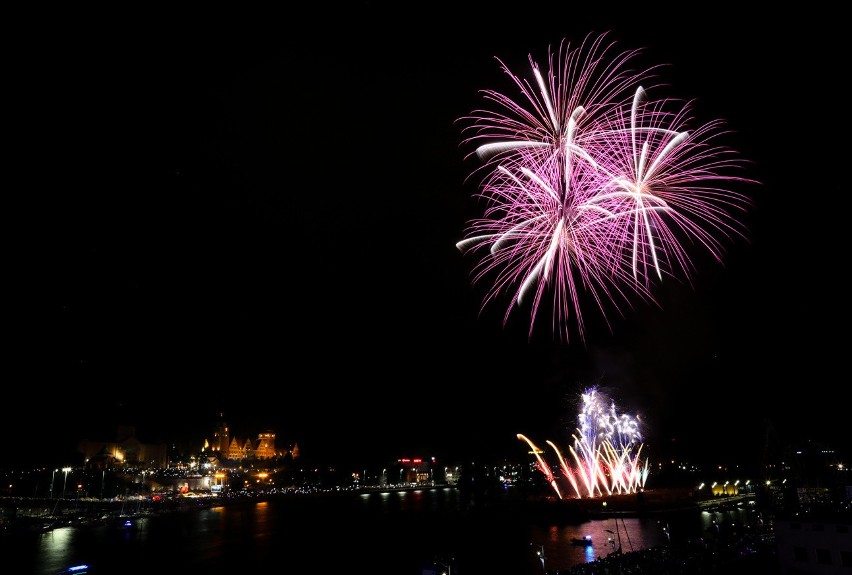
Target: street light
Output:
{"points": [[448, 570], [64, 483], [540, 555], [52, 475]]}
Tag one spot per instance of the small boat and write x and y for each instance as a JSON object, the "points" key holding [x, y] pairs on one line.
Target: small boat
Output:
{"points": [[585, 540], [80, 569]]}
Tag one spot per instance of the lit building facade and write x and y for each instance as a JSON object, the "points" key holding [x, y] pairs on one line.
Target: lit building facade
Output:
{"points": [[125, 451], [227, 446]]}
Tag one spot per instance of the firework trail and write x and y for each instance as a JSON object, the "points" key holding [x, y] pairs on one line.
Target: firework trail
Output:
{"points": [[592, 190], [541, 465], [605, 455]]}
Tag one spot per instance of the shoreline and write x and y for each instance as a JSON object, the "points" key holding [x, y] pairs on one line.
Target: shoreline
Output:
{"points": [[38, 515], [646, 503]]}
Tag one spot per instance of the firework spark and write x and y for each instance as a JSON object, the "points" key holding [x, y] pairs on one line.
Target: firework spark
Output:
{"points": [[606, 455], [592, 190]]}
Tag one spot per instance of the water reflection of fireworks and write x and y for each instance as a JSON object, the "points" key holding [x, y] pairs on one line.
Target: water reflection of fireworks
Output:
{"points": [[606, 455]]}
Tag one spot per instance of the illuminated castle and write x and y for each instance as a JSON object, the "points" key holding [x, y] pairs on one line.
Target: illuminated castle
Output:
{"points": [[227, 446], [126, 450]]}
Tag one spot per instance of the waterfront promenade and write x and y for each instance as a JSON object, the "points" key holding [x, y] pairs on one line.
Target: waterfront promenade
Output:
{"points": [[46, 511]]}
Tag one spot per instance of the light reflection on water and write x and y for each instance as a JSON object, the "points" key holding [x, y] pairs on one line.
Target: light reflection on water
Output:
{"points": [[65, 546], [635, 533], [391, 532], [52, 548]]}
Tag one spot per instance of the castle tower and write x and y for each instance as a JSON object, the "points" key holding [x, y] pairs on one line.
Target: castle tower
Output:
{"points": [[221, 436]]}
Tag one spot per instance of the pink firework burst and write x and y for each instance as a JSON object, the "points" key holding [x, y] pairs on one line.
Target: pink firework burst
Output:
{"points": [[592, 190]]}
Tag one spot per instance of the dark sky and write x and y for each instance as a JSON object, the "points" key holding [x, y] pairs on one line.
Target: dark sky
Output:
{"points": [[259, 216]]}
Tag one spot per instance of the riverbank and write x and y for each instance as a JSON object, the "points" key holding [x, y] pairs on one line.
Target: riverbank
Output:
{"points": [[31, 515], [24, 516], [658, 501], [648, 503]]}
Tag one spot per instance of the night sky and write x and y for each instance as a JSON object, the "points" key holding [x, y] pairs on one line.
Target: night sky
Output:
{"points": [[259, 216]]}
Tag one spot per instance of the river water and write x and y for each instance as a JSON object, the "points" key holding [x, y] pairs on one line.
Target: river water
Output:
{"points": [[394, 532]]}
